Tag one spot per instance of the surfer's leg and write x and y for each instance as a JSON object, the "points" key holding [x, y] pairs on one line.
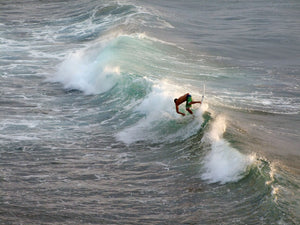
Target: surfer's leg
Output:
{"points": [[194, 102], [189, 110]]}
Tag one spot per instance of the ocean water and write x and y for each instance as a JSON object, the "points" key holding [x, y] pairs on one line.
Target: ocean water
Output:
{"points": [[88, 128]]}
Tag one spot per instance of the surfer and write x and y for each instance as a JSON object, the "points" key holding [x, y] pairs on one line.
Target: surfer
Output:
{"points": [[188, 98]]}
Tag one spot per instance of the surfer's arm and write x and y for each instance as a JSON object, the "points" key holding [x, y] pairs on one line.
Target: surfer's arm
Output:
{"points": [[177, 110]]}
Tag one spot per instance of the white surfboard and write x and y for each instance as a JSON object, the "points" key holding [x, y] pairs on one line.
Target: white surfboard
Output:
{"points": [[203, 94]]}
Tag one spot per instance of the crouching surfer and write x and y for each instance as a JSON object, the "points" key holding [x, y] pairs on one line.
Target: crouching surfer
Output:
{"points": [[189, 102]]}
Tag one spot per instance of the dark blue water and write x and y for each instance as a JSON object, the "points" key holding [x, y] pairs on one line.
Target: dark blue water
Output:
{"points": [[88, 128]]}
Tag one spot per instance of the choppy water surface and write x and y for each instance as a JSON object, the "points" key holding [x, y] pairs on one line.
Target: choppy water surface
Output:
{"points": [[88, 128]]}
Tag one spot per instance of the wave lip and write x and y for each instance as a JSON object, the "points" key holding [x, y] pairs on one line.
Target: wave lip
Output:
{"points": [[223, 163], [88, 70]]}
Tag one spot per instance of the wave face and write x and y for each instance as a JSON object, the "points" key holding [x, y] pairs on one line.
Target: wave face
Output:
{"points": [[88, 127]]}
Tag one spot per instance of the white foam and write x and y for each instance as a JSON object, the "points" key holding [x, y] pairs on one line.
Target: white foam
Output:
{"points": [[155, 106], [223, 163], [88, 70]]}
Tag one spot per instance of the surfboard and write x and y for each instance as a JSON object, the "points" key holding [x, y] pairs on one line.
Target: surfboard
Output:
{"points": [[203, 94]]}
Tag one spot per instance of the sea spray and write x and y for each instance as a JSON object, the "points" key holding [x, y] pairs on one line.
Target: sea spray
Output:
{"points": [[223, 163], [89, 70]]}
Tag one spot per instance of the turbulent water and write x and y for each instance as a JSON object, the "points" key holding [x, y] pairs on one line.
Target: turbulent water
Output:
{"points": [[88, 128]]}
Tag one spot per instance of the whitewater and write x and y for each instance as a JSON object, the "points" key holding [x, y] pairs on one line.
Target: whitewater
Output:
{"points": [[88, 128]]}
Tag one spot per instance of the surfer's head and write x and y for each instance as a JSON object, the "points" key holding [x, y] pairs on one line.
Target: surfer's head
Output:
{"points": [[175, 99]]}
